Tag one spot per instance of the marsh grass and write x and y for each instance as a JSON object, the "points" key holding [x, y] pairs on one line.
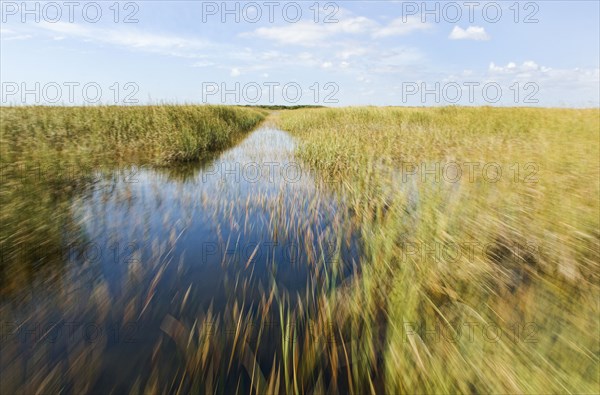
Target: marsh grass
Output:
{"points": [[49, 153], [231, 345], [539, 269], [111, 134], [518, 316], [385, 327]]}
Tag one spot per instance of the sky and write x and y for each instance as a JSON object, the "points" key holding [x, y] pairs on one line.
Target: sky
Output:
{"points": [[333, 53]]}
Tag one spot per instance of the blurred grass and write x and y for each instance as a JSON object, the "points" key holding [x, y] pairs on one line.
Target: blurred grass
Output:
{"points": [[47, 153], [166, 133], [534, 264], [411, 320]]}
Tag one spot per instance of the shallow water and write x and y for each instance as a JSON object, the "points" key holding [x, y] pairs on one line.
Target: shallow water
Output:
{"points": [[179, 243]]}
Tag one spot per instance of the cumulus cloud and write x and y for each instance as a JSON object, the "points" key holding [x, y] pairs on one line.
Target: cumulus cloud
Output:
{"points": [[527, 67], [475, 33]]}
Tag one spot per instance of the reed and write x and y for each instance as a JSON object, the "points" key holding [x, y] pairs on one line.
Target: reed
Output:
{"points": [[49, 153], [425, 310], [483, 281]]}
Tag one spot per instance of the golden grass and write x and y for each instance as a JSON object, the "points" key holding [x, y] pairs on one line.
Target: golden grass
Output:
{"points": [[515, 312], [532, 273], [166, 133], [47, 153]]}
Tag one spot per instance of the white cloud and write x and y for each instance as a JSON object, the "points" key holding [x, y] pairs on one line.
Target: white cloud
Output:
{"points": [[326, 65], [203, 63], [310, 34], [354, 51], [235, 72], [133, 39], [549, 86], [9, 35], [401, 26], [534, 72], [513, 68], [397, 59], [475, 33], [19, 37], [530, 65]]}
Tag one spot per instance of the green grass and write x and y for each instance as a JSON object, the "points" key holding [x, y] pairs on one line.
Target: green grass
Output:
{"points": [[410, 321], [539, 269], [47, 153], [110, 134]]}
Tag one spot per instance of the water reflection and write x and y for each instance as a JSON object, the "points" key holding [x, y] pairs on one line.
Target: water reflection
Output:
{"points": [[181, 243]]}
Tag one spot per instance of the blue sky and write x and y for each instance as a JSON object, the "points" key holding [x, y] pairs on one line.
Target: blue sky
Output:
{"points": [[354, 53]]}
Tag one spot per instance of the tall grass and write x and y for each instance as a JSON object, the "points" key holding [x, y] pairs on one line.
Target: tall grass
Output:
{"points": [[165, 133], [47, 153], [532, 276], [515, 312]]}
